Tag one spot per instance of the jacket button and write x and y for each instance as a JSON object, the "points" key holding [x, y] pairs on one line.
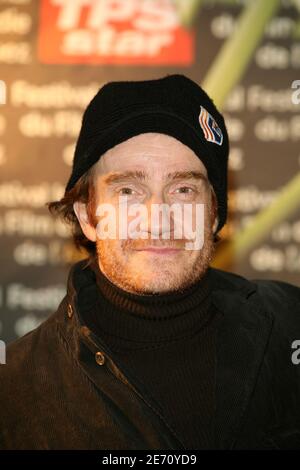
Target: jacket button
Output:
{"points": [[100, 358], [70, 311]]}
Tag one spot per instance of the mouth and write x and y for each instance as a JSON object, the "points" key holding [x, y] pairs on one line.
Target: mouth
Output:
{"points": [[160, 251]]}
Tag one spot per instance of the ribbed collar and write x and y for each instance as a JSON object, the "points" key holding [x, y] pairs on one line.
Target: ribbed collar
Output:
{"points": [[134, 319]]}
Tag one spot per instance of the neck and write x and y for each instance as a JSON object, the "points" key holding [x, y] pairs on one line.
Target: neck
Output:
{"points": [[158, 305], [131, 320]]}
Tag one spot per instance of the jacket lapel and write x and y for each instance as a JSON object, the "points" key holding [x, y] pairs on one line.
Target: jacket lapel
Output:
{"points": [[241, 342]]}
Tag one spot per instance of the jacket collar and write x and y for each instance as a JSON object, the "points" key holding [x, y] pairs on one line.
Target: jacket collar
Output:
{"points": [[242, 338]]}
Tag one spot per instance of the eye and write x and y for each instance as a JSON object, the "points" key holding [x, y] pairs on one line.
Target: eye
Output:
{"points": [[125, 191], [191, 190]]}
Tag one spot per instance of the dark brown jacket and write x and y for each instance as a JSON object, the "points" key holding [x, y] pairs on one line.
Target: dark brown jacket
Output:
{"points": [[61, 389]]}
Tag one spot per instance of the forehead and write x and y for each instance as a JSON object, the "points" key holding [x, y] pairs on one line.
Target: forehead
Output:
{"points": [[153, 153]]}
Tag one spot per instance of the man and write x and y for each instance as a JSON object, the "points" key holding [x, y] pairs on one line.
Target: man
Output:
{"points": [[152, 348]]}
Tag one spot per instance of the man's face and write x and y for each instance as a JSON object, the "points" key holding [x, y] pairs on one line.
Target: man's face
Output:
{"points": [[136, 264]]}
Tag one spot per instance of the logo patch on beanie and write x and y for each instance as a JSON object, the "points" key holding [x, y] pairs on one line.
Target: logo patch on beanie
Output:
{"points": [[210, 128]]}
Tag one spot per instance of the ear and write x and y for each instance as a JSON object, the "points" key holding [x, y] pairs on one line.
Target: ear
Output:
{"points": [[82, 216], [215, 226], [214, 202]]}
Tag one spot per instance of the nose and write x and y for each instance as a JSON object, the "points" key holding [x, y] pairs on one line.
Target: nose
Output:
{"points": [[157, 221]]}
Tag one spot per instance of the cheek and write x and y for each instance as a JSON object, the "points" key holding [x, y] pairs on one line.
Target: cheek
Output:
{"points": [[113, 253], [195, 219]]}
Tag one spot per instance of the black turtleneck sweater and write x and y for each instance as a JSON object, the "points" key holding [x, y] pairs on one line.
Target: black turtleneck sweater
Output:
{"points": [[168, 343]]}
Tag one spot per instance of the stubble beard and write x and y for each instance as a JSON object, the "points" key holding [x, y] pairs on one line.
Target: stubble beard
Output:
{"points": [[157, 277]]}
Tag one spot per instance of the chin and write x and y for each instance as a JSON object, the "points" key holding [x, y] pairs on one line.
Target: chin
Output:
{"points": [[157, 284]]}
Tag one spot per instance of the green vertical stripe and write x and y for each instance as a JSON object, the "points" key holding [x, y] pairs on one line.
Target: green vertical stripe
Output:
{"points": [[235, 55]]}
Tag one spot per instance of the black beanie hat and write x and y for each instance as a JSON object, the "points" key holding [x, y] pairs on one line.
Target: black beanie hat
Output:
{"points": [[172, 105]]}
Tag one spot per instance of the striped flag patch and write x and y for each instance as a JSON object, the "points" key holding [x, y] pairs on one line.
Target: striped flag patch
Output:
{"points": [[210, 128]]}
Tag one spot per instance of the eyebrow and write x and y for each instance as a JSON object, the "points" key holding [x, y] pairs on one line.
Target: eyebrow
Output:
{"points": [[139, 175]]}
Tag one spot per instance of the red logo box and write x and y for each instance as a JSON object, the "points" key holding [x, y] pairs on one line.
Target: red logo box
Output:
{"points": [[123, 32]]}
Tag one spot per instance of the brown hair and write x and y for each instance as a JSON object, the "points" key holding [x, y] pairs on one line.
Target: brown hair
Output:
{"points": [[84, 191]]}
